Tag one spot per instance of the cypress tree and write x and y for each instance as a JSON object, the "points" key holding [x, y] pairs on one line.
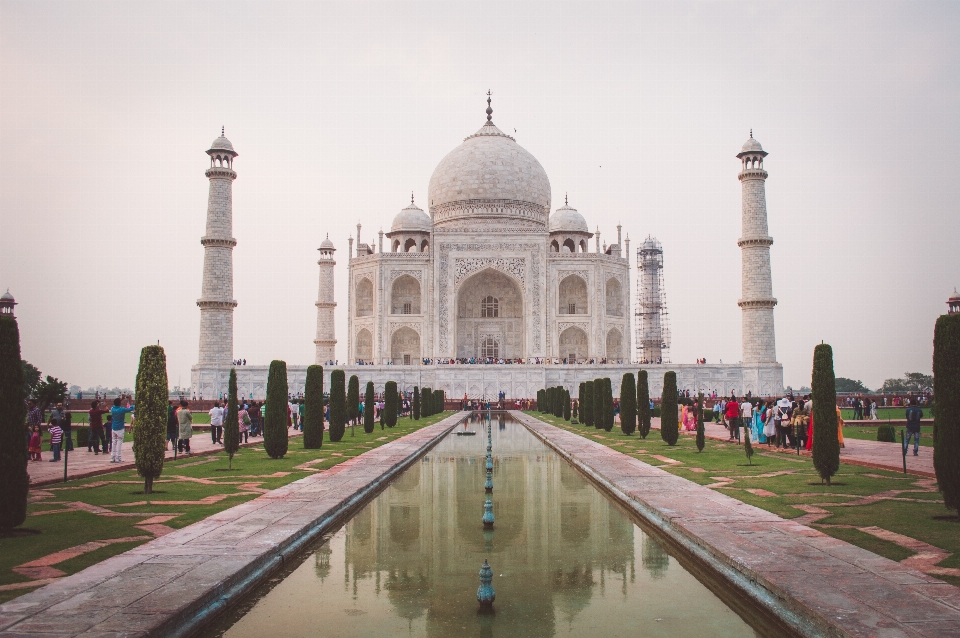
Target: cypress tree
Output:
{"points": [[441, 399], [748, 446], [669, 426], [353, 399], [628, 404], [368, 420], [607, 404], [313, 408], [231, 422], [425, 396], [415, 411], [150, 435], [338, 408], [826, 444], [275, 419], [13, 431], [946, 408], [390, 404], [643, 404], [566, 405], [586, 404], [576, 407], [558, 397], [597, 403], [700, 434]]}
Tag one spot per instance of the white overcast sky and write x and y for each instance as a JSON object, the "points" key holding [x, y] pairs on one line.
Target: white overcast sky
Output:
{"points": [[339, 110]]}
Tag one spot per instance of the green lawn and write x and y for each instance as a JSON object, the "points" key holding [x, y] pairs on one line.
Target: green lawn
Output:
{"points": [[886, 413], [122, 492], [869, 433], [924, 517]]}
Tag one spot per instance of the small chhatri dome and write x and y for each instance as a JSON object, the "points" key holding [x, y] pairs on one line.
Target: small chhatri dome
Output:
{"points": [[566, 219], [751, 145], [411, 219], [954, 297], [6, 296], [326, 244], [222, 143]]}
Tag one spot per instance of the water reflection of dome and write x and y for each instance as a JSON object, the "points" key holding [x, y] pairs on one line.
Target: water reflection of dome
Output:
{"points": [[655, 560]]}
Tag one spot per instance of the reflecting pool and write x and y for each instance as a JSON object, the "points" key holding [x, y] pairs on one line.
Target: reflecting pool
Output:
{"points": [[566, 560]]}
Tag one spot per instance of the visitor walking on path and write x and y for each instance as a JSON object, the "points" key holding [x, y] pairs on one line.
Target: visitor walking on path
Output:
{"points": [[243, 421], [732, 416], [914, 414], [173, 426], [216, 423], [96, 438], [56, 436], [185, 421], [35, 444], [118, 429]]}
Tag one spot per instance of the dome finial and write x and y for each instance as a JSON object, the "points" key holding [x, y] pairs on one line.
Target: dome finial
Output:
{"points": [[223, 131], [411, 197], [751, 134], [566, 202], [489, 109]]}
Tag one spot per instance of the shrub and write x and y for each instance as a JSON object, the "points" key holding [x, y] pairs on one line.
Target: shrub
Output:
{"points": [[700, 434], [558, 398], [425, 396], [275, 419], [338, 410], [368, 409], [946, 411], [441, 398], [669, 426], [643, 404], [313, 408], [888, 434], [390, 404], [415, 410], [586, 404], [150, 435], [353, 399], [13, 435], [597, 404], [826, 444], [231, 422], [607, 404], [566, 405], [628, 404]]}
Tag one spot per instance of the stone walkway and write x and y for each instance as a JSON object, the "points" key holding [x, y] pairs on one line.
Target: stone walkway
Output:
{"points": [[173, 584], [82, 464], [814, 583]]}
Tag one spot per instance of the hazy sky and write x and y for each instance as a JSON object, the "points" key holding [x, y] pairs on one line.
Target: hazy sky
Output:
{"points": [[339, 110]]}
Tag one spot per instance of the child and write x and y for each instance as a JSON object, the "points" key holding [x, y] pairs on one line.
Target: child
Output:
{"points": [[35, 444], [56, 436]]}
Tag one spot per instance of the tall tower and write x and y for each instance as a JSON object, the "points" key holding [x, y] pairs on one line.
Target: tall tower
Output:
{"points": [[326, 340], [756, 298], [653, 332], [216, 301]]}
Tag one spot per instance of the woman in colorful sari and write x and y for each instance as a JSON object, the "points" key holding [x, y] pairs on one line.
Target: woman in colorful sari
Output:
{"points": [[756, 427]]}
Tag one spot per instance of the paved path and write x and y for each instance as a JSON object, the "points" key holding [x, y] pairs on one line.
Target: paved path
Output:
{"points": [[813, 583], [82, 464], [172, 585], [886, 456]]}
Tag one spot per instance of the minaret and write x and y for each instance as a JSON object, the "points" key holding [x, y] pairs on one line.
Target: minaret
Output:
{"points": [[756, 299], [216, 301], [326, 340]]}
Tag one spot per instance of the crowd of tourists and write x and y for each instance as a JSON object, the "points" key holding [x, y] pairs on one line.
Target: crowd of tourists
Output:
{"points": [[784, 424]]}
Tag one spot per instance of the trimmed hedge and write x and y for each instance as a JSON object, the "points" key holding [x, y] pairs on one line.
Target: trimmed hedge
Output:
{"points": [[643, 404], [275, 421], [586, 404], [13, 414], [826, 444], [390, 404], [368, 410], [150, 435], [313, 408], [231, 422], [338, 408], [946, 410], [566, 405], [888, 434], [669, 424], [628, 404], [353, 399], [700, 433], [415, 410]]}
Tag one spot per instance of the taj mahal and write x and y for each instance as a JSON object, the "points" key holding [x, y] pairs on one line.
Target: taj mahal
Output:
{"points": [[488, 290]]}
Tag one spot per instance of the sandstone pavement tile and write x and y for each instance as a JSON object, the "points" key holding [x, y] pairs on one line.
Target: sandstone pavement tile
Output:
{"points": [[940, 591], [128, 622], [899, 603], [94, 633]]}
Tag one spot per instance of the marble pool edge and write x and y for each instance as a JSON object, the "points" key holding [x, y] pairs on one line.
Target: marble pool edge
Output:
{"points": [[178, 584], [813, 584]]}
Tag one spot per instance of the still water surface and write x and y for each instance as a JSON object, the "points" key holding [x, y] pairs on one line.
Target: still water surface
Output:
{"points": [[566, 561]]}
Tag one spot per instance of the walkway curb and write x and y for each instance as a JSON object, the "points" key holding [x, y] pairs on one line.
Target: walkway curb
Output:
{"points": [[177, 584], [808, 583]]}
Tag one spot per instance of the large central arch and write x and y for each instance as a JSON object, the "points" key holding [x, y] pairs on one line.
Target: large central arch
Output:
{"points": [[490, 317]]}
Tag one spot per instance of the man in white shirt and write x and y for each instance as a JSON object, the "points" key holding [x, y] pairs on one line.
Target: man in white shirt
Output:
{"points": [[216, 423], [293, 414], [746, 414]]}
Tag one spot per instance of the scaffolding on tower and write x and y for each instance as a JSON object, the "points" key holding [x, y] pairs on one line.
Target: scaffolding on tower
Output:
{"points": [[653, 326]]}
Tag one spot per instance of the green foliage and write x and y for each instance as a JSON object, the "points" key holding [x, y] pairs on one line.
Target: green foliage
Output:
{"points": [[275, 418], [669, 423], [607, 403], [313, 408], [576, 404], [566, 404], [826, 444], [31, 378], [586, 404], [390, 404], [628, 404], [415, 410], [946, 409], [150, 435], [338, 411], [888, 434], [231, 422], [49, 391], [14, 479], [558, 394], [439, 397], [842, 384], [353, 399], [747, 445], [700, 433], [643, 404], [597, 404], [910, 382], [368, 410]]}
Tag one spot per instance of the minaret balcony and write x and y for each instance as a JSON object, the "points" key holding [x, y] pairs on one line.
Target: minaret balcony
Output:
{"points": [[221, 171], [755, 241], [216, 303], [753, 173], [757, 303], [227, 242]]}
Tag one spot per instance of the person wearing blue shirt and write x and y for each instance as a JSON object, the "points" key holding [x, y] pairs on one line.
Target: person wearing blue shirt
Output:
{"points": [[117, 427]]}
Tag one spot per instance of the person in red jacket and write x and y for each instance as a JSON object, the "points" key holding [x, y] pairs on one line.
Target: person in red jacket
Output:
{"points": [[733, 419]]}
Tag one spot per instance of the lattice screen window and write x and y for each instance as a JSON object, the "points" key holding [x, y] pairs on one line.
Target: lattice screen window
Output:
{"points": [[490, 307]]}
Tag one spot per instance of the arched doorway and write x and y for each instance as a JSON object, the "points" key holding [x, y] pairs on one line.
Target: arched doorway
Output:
{"points": [[614, 298], [405, 296], [574, 344], [365, 346], [364, 298], [405, 347], [572, 296], [614, 345], [490, 317]]}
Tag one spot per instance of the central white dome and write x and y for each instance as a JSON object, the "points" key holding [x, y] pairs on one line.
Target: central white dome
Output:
{"points": [[489, 177]]}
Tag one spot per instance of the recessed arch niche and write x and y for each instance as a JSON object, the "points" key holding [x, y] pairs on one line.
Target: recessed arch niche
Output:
{"points": [[490, 311], [405, 296]]}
